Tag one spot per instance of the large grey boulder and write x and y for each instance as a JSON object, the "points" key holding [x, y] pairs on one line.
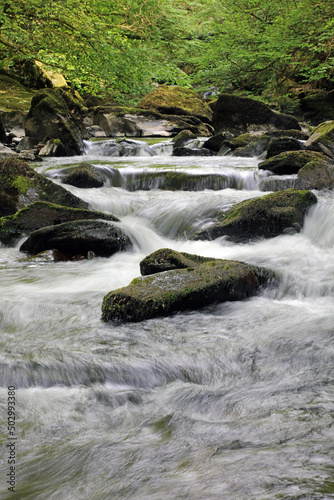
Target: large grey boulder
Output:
{"points": [[165, 293]]}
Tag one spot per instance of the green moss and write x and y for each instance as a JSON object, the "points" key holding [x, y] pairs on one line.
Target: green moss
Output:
{"points": [[22, 184], [13, 96]]}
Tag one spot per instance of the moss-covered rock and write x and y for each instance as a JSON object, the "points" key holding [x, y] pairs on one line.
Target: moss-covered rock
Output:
{"points": [[56, 114], [317, 107], [166, 259], [165, 293], [20, 186], [175, 100], [322, 139], [279, 145], [183, 137], [316, 174], [84, 176], [216, 141], [240, 114], [78, 238], [255, 147], [41, 214], [290, 162], [265, 217]]}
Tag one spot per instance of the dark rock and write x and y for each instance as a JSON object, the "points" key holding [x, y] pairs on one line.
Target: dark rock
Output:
{"points": [[192, 152], [41, 214], [317, 107], [322, 139], [262, 217], [166, 259], [165, 293], [279, 145], [316, 174], [84, 176], [256, 147], [215, 142], [56, 115], [183, 137], [20, 186], [175, 100], [53, 147], [241, 114], [26, 143], [290, 162], [78, 238], [3, 135]]}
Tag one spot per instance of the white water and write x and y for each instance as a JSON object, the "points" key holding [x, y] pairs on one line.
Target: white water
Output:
{"points": [[234, 401]]}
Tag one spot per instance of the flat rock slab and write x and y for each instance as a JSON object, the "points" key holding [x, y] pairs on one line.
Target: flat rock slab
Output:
{"points": [[78, 238], [176, 290]]}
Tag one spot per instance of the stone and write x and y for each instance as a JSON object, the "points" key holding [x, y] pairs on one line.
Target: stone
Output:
{"points": [[241, 114], [84, 176], [322, 139], [263, 217], [192, 152], [183, 137], [290, 162], [279, 145], [190, 288], [316, 174], [41, 214], [78, 238], [166, 259], [20, 186]]}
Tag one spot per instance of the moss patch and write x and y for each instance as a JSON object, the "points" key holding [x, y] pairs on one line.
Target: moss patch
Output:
{"points": [[13, 96]]}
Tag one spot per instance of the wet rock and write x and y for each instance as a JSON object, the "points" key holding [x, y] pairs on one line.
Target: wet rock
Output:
{"points": [[166, 259], [20, 186], [3, 135], [262, 217], [215, 142], [192, 152], [191, 288], [322, 139], [290, 162], [56, 115], [256, 147], [84, 176], [175, 100], [183, 137], [78, 238], [240, 114], [279, 145], [316, 174], [41, 214]]}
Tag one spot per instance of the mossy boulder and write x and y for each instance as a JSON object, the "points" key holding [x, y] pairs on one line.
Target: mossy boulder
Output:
{"points": [[83, 176], [216, 141], [241, 114], [256, 146], [191, 288], [322, 139], [279, 145], [166, 259], [263, 217], [55, 114], [316, 174], [20, 186], [175, 100], [41, 214], [78, 238], [290, 162], [317, 107], [183, 137]]}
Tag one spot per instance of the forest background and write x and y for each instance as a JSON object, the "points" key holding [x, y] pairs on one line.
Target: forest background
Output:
{"points": [[272, 51]]}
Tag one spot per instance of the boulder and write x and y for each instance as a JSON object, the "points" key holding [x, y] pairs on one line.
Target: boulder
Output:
{"points": [[165, 293], [183, 137], [78, 238], [166, 259], [56, 115], [175, 100], [41, 214], [6, 152], [263, 217], [84, 176], [255, 147], [192, 152], [241, 114], [20, 186], [322, 139], [279, 145], [3, 135], [317, 107], [318, 173], [216, 141], [290, 162]]}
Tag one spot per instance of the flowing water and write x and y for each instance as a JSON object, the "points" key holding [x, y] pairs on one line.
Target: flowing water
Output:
{"points": [[233, 401]]}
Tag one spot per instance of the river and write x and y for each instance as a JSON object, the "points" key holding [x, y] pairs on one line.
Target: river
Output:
{"points": [[233, 401]]}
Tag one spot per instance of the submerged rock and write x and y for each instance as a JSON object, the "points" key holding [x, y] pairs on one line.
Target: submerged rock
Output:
{"points": [[241, 114], [165, 293], [290, 162], [78, 238], [20, 186], [265, 217], [84, 176], [41, 214]]}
